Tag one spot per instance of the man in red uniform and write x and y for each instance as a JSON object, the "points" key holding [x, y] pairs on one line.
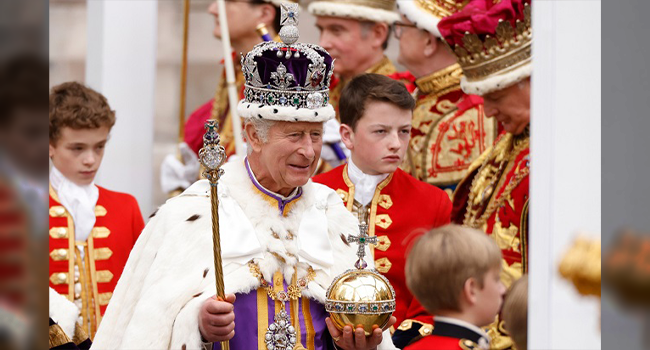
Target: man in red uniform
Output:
{"points": [[92, 229], [450, 129], [376, 114], [493, 44]]}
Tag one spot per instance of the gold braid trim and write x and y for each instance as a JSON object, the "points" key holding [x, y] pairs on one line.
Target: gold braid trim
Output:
{"points": [[57, 336], [441, 82]]}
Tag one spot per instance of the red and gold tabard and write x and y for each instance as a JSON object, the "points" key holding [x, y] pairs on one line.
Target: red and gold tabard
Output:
{"points": [[91, 277], [449, 130], [494, 198], [217, 108], [383, 67], [14, 246], [401, 209]]}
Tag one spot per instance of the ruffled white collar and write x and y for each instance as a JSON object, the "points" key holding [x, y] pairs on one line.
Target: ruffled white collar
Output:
{"points": [[364, 184], [79, 201]]}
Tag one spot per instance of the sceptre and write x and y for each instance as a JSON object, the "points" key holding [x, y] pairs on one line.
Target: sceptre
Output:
{"points": [[212, 156]]}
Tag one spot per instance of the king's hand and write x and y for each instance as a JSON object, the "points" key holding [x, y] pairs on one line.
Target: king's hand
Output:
{"points": [[217, 319], [355, 339]]}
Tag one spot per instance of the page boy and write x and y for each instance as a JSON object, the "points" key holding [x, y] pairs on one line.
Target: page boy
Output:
{"points": [[376, 113], [454, 272], [92, 229]]}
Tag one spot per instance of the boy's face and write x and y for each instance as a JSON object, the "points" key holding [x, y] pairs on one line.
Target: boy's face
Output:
{"points": [[78, 153], [490, 298], [379, 141]]}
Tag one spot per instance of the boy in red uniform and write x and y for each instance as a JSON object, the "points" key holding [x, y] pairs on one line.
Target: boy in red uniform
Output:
{"points": [[92, 229], [454, 272], [376, 113]]}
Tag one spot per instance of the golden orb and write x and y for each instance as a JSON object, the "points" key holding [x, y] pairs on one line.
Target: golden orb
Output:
{"points": [[360, 297]]}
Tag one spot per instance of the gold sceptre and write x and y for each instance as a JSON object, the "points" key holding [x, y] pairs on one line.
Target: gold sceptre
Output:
{"points": [[212, 156]]}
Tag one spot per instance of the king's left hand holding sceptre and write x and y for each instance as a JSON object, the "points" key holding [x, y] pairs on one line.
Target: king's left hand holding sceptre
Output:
{"points": [[212, 156]]}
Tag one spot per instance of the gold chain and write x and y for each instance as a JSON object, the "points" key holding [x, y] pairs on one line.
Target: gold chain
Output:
{"points": [[293, 292]]}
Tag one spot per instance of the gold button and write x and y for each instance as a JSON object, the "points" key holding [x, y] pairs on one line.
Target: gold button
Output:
{"points": [[59, 254]]}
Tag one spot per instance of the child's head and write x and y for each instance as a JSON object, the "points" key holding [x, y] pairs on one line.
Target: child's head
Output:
{"points": [[515, 312], [454, 270], [80, 120], [376, 114]]}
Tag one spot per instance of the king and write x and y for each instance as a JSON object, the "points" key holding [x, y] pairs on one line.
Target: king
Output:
{"points": [[282, 237]]}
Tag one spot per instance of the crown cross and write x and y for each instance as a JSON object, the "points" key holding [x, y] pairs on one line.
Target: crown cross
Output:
{"points": [[362, 240]]}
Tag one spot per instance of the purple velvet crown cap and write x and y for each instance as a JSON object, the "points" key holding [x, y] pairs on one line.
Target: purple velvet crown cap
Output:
{"points": [[287, 81]]}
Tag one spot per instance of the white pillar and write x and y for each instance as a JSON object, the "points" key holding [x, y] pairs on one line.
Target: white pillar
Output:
{"points": [[121, 64], [565, 168]]}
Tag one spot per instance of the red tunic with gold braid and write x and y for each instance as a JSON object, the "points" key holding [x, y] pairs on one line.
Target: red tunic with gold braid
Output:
{"points": [[217, 108], [494, 198], [449, 130], [401, 209], [89, 279]]}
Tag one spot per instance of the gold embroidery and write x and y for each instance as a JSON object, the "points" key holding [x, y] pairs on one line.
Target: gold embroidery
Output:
{"points": [[57, 336], [59, 232], [385, 201], [506, 237], [383, 244], [348, 182], [104, 276], [104, 298], [510, 273], [100, 211], [441, 82], [373, 209], [103, 253], [59, 254], [59, 278], [383, 220], [425, 328], [101, 232], [383, 265], [57, 211]]}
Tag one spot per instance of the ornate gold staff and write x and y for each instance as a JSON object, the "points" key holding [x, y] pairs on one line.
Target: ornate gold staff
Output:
{"points": [[212, 156]]}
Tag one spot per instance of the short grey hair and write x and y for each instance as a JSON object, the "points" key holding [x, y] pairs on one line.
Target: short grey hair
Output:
{"points": [[262, 126]]}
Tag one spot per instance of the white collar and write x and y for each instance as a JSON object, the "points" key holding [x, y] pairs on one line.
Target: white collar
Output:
{"points": [[364, 184], [79, 201]]}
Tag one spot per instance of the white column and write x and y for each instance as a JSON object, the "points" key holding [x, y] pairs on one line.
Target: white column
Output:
{"points": [[565, 168], [121, 64]]}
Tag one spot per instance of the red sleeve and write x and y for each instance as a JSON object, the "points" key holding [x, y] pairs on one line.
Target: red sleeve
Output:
{"points": [[137, 221], [194, 126], [444, 211]]}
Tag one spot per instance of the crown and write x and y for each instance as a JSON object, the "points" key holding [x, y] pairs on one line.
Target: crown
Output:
{"points": [[510, 48], [287, 80], [426, 14], [498, 51]]}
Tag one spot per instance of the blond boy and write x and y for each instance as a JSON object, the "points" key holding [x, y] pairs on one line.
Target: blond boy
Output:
{"points": [[454, 272]]}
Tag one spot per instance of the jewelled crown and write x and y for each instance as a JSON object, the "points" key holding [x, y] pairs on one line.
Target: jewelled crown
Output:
{"points": [[287, 80], [492, 42]]}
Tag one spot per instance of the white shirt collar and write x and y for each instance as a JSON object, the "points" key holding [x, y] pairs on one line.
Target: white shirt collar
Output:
{"points": [[79, 201], [364, 184]]}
